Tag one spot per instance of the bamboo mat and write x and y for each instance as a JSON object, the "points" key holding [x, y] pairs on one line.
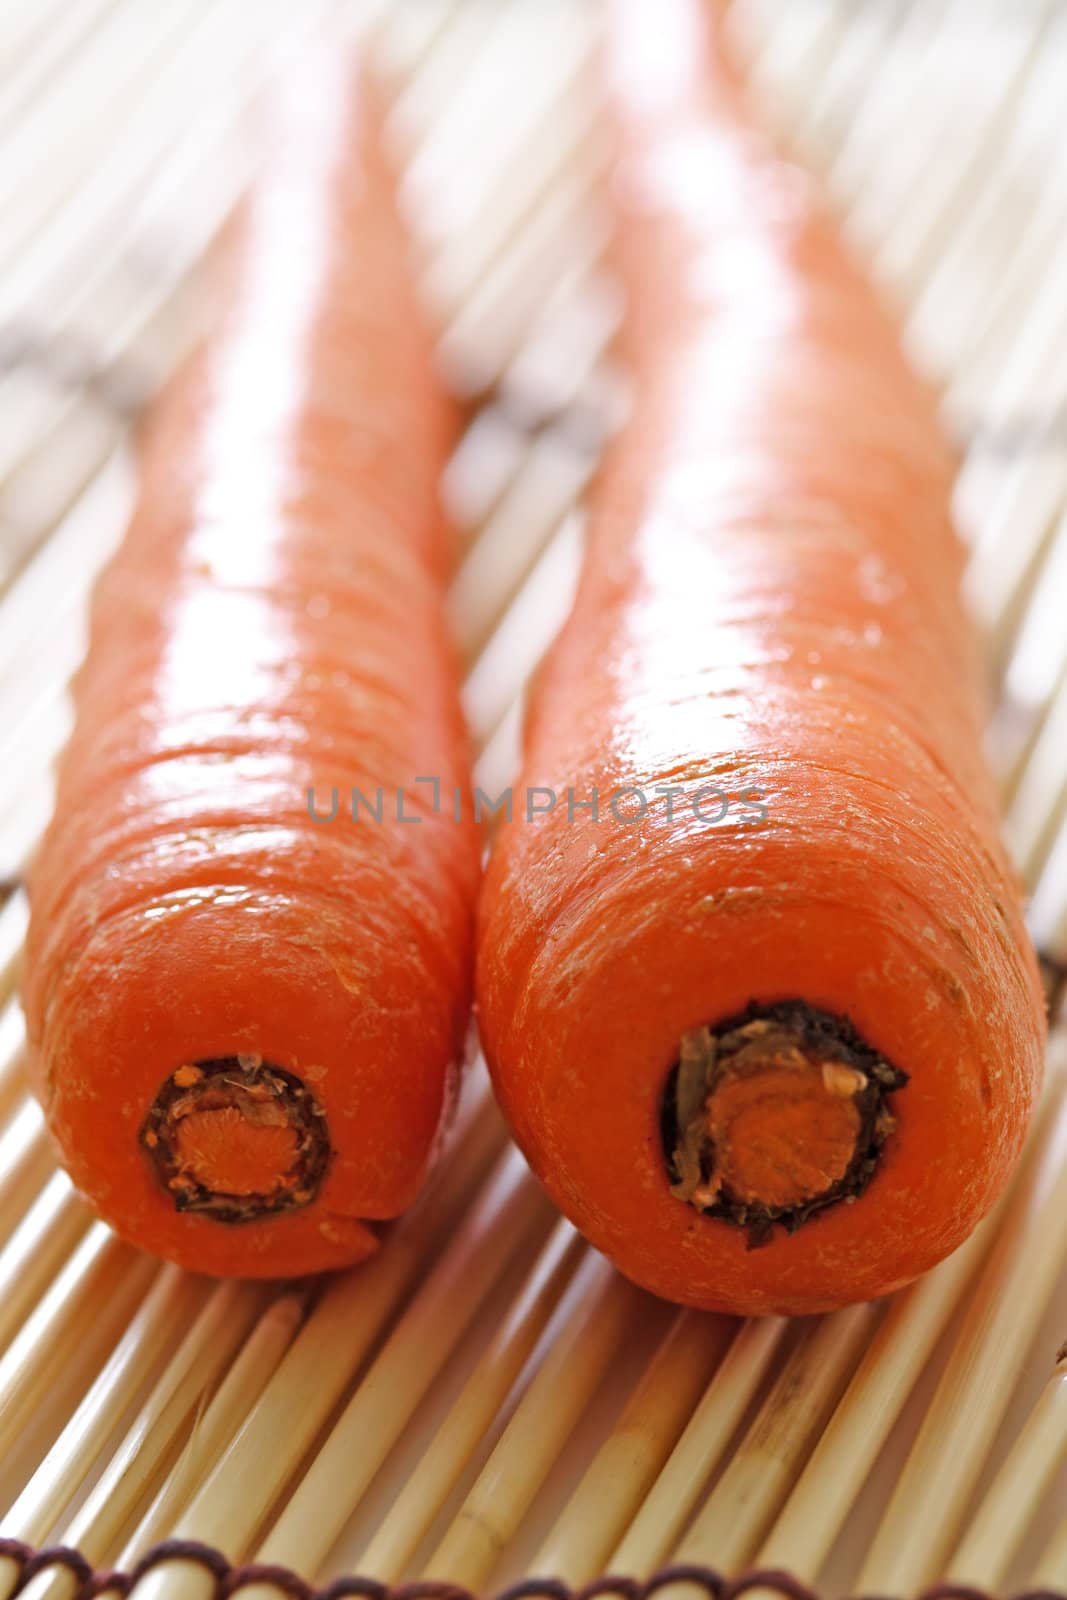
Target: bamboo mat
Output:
{"points": [[487, 1399]]}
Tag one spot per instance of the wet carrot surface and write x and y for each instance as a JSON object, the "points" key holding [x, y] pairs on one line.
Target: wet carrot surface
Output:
{"points": [[767, 1024], [244, 1019]]}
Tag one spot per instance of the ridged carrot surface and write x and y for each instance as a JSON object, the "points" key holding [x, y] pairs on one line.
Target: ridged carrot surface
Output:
{"points": [[774, 1044], [243, 1021]]}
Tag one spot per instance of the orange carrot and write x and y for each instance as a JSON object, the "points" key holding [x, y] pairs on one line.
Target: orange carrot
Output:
{"points": [[778, 992], [244, 1018]]}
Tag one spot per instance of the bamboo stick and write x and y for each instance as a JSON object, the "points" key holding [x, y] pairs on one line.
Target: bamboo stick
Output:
{"points": [[27, 1370], [431, 84], [20, 829], [483, 464], [849, 1448], [949, 196], [1036, 813], [1021, 386], [524, 632], [29, 77], [20, 40], [764, 1467], [36, 1249], [173, 1298], [1018, 526], [911, 54], [88, 1300], [784, 52], [1050, 1573], [213, 50], [506, 1215], [412, 1513], [490, 212], [36, 731], [12, 1060], [133, 1468], [499, 761], [239, 1389], [632, 1456], [530, 511], [997, 1528], [1048, 907], [13, 917], [1039, 658], [178, 1577], [654, 1530], [451, 158], [962, 282], [56, 578], [561, 240], [522, 1459], [918, 1529], [244, 1483], [54, 1583], [849, 67], [32, 189], [911, 211], [71, 255], [66, 455], [403, 36], [563, 371], [25, 1163]]}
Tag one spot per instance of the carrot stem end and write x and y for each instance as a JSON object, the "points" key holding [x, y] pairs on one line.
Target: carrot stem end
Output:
{"points": [[775, 1115], [236, 1139]]}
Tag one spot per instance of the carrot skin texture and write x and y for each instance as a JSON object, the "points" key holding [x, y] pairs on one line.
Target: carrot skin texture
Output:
{"points": [[769, 602], [272, 624]]}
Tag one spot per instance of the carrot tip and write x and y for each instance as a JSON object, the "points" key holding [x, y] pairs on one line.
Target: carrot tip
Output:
{"points": [[236, 1139], [775, 1115]]}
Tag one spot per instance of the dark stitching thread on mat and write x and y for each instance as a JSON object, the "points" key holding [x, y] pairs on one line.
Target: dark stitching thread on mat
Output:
{"points": [[106, 1582], [431, 1589], [628, 1588], [229, 1580], [277, 1577], [205, 1555], [15, 1550], [772, 1578], [367, 1588], [954, 1591], [536, 1589], [684, 1572], [56, 1555]]}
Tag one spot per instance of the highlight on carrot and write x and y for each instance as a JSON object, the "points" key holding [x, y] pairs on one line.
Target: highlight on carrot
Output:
{"points": [[244, 1018], [756, 993]]}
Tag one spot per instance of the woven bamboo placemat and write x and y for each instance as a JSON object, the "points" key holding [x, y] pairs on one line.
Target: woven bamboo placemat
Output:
{"points": [[487, 1399]]}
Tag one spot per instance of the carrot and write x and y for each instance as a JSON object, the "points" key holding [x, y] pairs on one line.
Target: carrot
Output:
{"points": [[244, 1018], [777, 992]]}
